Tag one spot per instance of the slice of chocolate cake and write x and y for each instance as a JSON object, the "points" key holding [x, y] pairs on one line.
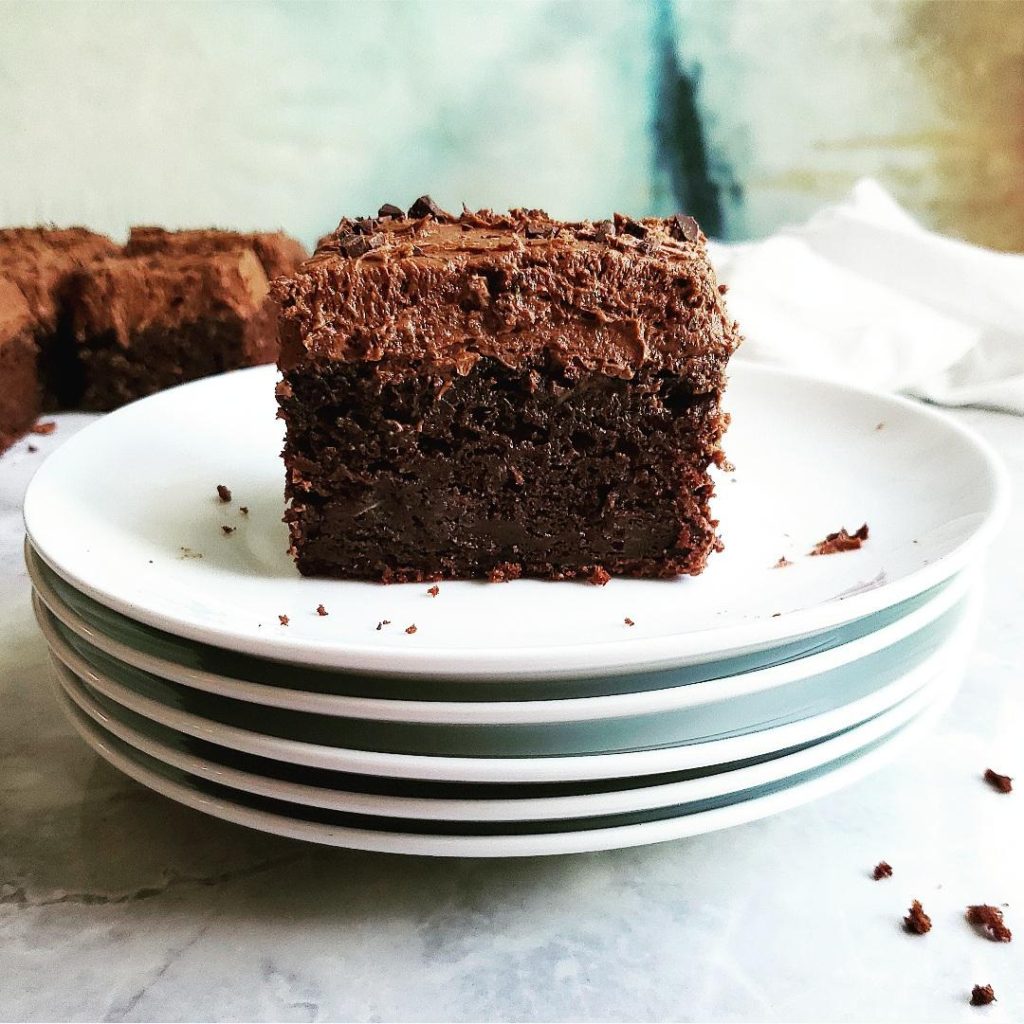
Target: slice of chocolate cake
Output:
{"points": [[502, 395], [174, 307], [19, 383]]}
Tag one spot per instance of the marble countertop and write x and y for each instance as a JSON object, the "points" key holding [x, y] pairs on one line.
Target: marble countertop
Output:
{"points": [[116, 904]]}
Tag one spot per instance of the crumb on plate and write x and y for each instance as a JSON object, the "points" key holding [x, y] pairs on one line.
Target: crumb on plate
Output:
{"points": [[841, 541]]}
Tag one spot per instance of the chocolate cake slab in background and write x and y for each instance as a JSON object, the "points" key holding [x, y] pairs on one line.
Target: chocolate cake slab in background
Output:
{"points": [[107, 324], [174, 307], [503, 395]]}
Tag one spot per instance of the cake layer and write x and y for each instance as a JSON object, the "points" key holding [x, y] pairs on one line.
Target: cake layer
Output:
{"points": [[503, 472]]}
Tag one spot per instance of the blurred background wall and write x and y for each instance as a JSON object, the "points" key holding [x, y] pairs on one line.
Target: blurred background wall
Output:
{"points": [[748, 114]]}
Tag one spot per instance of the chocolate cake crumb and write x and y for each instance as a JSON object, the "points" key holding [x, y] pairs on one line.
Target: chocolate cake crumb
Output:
{"points": [[505, 572], [31, 448], [1001, 782], [982, 995], [917, 922], [189, 553], [228, 530], [775, 615], [434, 590], [599, 577], [411, 629], [990, 920], [45, 428], [224, 493], [321, 610], [244, 509], [628, 621], [390, 210], [879, 426], [841, 541], [882, 870], [283, 619], [782, 563]]}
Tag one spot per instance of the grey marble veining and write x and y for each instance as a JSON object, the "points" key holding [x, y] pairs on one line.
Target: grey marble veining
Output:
{"points": [[116, 904]]}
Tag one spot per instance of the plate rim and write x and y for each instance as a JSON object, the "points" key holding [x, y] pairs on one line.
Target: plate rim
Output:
{"points": [[509, 712], [575, 767], [606, 657], [527, 845], [635, 799]]}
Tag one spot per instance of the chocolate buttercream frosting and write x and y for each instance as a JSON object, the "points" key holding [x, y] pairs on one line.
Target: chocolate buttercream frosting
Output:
{"points": [[432, 291]]}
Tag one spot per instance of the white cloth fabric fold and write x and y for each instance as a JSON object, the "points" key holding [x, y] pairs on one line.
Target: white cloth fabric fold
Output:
{"points": [[862, 293]]}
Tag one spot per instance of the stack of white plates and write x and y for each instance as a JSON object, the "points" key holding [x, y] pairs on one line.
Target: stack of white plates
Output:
{"points": [[516, 719]]}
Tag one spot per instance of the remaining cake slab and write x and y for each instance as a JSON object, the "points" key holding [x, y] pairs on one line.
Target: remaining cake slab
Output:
{"points": [[500, 395], [174, 307], [109, 324]]}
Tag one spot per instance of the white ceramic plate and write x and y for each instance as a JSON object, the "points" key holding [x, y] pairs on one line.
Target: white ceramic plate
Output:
{"points": [[125, 509], [388, 697], [523, 769], [336, 792], [868, 678], [186, 790], [273, 689]]}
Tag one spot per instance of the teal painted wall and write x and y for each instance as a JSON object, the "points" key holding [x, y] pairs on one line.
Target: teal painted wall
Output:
{"points": [[749, 114]]}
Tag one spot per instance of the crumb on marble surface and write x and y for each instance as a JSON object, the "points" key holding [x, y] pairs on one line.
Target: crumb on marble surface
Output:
{"points": [[1003, 783], [989, 921], [982, 995], [917, 922]]}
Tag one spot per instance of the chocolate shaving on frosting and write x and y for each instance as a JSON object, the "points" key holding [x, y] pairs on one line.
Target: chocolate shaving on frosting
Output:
{"points": [[426, 207], [685, 228]]}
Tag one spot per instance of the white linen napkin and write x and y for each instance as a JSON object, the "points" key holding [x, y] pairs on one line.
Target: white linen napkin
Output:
{"points": [[862, 293]]}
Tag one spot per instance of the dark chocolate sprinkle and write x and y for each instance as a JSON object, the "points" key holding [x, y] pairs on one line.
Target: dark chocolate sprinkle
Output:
{"points": [[630, 227], [535, 230], [359, 245], [390, 210], [426, 207], [685, 228]]}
